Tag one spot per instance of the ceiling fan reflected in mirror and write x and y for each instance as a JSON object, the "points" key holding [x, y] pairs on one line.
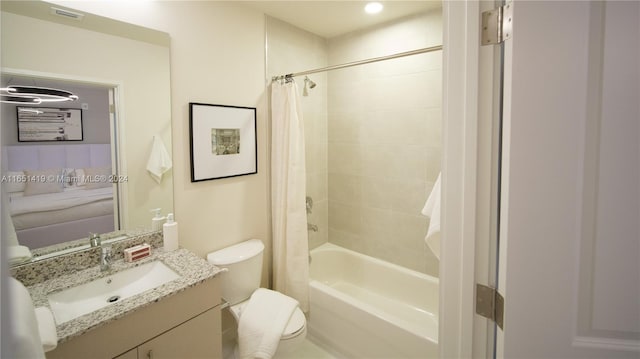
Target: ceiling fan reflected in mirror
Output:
{"points": [[34, 95]]}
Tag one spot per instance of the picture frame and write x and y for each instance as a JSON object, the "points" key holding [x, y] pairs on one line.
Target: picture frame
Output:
{"points": [[223, 141], [44, 124]]}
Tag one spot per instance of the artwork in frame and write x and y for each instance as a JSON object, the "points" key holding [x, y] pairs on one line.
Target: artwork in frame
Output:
{"points": [[40, 124], [223, 141]]}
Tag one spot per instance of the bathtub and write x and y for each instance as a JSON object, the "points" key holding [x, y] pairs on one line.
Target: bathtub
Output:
{"points": [[363, 307]]}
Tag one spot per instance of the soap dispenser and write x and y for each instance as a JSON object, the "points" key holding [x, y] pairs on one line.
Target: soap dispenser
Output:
{"points": [[170, 234], [157, 221]]}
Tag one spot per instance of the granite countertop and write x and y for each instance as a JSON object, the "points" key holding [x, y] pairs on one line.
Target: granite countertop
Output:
{"points": [[192, 269]]}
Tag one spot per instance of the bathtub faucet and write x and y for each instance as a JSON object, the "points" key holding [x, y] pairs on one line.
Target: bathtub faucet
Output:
{"points": [[312, 227], [309, 202]]}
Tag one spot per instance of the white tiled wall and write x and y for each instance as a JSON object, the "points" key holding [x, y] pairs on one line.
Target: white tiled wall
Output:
{"points": [[384, 124], [373, 134]]}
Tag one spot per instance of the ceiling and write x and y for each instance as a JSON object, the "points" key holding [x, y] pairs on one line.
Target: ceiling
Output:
{"points": [[333, 18]]}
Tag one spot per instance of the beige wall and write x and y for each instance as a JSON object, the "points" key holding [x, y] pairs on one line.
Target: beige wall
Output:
{"points": [[217, 57], [385, 140], [291, 49]]}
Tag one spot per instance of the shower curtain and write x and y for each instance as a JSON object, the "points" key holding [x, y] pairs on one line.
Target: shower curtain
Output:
{"points": [[288, 194]]}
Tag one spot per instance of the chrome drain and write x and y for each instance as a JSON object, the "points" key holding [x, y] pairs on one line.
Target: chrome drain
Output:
{"points": [[113, 299]]}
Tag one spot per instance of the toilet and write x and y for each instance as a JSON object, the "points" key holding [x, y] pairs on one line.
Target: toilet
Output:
{"points": [[244, 264]]}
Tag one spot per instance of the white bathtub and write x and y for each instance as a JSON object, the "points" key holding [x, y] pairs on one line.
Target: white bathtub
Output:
{"points": [[363, 307]]}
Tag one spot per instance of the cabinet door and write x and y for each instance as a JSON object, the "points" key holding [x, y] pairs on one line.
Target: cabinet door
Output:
{"points": [[131, 354], [199, 337]]}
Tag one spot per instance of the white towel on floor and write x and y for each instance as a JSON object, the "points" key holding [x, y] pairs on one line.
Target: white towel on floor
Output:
{"points": [[18, 254], [25, 336], [159, 160], [262, 323], [432, 210], [47, 328]]}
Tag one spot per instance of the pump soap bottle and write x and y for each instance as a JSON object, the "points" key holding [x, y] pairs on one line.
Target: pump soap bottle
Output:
{"points": [[170, 234], [157, 221]]}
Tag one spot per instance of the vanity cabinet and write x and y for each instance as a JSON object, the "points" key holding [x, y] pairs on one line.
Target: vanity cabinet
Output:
{"points": [[187, 340], [184, 325]]}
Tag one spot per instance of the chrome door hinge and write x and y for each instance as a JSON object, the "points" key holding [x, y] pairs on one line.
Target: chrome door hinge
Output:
{"points": [[490, 304], [497, 24]]}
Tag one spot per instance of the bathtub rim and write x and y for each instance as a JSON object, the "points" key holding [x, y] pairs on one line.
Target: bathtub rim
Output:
{"points": [[327, 247]]}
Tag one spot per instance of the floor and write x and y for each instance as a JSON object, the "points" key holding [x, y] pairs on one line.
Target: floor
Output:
{"points": [[308, 350]]}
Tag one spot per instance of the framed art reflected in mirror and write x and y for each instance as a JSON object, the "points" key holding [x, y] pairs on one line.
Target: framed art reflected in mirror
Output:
{"points": [[40, 124]]}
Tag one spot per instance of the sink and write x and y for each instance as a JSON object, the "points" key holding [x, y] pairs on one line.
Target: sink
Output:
{"points": [[86, 298]]}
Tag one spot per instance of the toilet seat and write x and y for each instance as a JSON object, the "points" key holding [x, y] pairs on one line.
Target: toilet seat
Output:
{"points": [[295, 326]]}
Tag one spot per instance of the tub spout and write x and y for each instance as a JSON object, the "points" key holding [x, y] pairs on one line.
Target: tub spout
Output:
{"points": [[312, 227]]}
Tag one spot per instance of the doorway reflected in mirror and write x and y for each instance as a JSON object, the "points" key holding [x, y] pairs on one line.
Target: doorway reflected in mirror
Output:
{"points": [[59, 190]]}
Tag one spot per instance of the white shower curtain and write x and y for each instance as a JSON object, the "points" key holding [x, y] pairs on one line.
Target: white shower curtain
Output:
{"points": [[288, 193]]}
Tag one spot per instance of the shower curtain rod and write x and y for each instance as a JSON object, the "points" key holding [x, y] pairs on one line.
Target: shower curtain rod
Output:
{"points": [[361, 62]]}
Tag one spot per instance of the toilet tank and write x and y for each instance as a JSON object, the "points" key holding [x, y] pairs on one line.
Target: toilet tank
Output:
{"points": [[244, 264]]}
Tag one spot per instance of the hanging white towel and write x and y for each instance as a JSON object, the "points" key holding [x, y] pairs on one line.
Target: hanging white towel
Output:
{"points": [[432, 210], [159, 160], [25, 336], [262, 323], [47, 328], [18, 254]]}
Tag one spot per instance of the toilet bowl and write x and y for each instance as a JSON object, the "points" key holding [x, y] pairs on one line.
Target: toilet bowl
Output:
{"points": [[243, 262]]}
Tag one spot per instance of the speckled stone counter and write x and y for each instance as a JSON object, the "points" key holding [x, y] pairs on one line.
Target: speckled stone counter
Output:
{"points": [[192, 269], [60, 264]]}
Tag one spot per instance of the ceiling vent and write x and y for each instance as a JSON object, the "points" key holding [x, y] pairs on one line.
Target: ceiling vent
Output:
{"points": [[67, 14]]}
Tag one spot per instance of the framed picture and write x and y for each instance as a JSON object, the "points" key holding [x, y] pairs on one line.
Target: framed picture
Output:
{"points": [[223, 141], [39, 124]]}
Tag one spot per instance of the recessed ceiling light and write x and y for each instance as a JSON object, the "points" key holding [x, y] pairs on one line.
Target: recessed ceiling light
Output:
{"points": [[373, 8]]}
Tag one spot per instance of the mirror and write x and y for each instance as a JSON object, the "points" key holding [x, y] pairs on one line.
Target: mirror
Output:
{"points": [[124, 113]]}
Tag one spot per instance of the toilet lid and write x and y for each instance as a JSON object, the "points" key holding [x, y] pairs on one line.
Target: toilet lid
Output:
{"points": [[295, 324]]}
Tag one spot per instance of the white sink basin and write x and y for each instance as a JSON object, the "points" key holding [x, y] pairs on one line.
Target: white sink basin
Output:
{"points": [[86, 298]]}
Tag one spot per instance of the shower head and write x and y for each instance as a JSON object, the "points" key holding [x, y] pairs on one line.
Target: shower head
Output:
{"points": [[308, 81]]}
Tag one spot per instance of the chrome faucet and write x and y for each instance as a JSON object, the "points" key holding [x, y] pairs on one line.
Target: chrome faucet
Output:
{"points": [[106, 255], [94, 240], [312, 227]]}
